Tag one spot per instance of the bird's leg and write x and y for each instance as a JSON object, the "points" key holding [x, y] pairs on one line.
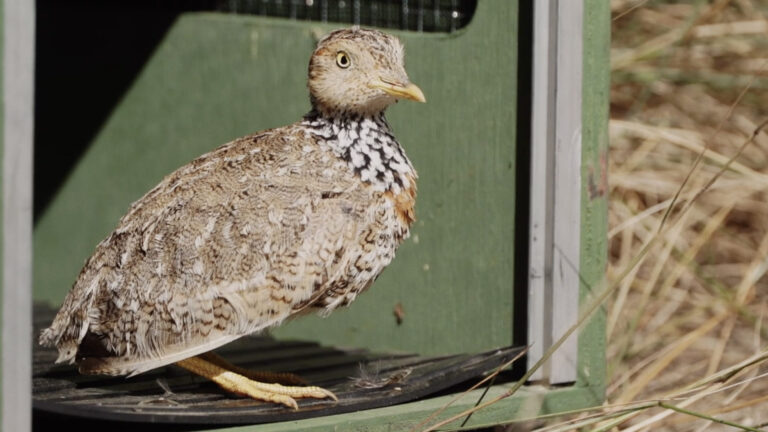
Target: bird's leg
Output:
{"points": [[239, 384], [286, 378]]}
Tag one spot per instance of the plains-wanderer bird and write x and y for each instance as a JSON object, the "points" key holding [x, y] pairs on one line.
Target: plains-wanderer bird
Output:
{"points": [[285, 221]]}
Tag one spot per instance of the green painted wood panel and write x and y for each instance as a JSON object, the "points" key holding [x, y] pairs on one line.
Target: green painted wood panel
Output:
{"points": [[215, 77], [525, 404], [594, 188]]}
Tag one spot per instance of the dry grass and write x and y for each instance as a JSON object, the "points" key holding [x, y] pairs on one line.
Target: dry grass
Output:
{"points": [[686, 288], [698, 303]]}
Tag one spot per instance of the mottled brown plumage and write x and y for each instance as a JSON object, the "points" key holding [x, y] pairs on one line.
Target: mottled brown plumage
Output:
{"points": [[288, 220]]}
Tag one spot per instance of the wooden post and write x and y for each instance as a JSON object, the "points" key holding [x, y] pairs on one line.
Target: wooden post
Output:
{"points": [[556, 184], [18, 80]]}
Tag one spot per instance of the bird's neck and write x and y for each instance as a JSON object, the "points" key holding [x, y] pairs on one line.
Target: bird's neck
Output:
{"points": [[366, 143]]}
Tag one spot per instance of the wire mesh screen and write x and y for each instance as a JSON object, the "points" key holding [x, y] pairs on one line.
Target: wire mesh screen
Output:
{"points": [[414, 15]]}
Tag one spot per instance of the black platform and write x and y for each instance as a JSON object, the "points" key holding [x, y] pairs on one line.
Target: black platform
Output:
{"points": [[361, 380]]}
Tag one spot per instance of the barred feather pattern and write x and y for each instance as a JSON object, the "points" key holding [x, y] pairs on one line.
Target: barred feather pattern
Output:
{"points": [[264, 228], [228, 245]]}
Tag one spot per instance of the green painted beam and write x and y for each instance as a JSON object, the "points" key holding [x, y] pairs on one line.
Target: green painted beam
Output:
{"points": [[594, 174], [527, 403]]}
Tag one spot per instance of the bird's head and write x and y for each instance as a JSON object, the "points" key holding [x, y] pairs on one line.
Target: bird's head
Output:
{"points": [[359, 71]]}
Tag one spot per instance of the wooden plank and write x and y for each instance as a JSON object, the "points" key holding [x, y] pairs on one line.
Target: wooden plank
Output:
{"points": [[406, 417], [18, 78], [541, 226], [592, 181], [556, 187], [568, 186]]}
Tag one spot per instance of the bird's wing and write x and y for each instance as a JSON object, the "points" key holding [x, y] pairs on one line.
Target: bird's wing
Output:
{"points": [[228, 245]]}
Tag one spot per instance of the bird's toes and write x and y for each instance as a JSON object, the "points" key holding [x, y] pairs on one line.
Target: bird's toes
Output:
{"points": [[284, 400], [319, 393], [307, 392]]}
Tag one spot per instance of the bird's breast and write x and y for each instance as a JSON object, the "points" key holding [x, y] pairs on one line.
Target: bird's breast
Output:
{"points": [[404, 202]]}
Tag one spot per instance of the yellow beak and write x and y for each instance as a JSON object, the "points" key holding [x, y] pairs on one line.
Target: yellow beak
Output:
{"points": [[409, 91]]}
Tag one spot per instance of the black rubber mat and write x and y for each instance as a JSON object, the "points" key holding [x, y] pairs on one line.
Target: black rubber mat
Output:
{"points": [[360, 379]]}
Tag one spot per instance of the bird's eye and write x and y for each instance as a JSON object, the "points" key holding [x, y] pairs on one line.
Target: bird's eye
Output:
{"points": [[342, 59]]}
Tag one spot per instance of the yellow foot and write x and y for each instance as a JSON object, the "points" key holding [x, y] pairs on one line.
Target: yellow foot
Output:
{"points": [[285, 378], [237, 383]]}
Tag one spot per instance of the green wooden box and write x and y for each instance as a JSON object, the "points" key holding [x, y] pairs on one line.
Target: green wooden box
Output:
{"points": [[510, 150]]}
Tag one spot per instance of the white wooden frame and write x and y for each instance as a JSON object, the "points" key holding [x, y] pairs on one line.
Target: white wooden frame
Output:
{"points": [[555, 213], [18, 115]]}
